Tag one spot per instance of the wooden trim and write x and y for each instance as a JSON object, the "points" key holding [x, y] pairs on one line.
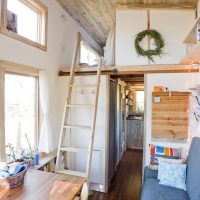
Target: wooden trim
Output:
{"points": [[38, 7], [161, 6], [2, 117], [18, 68], [128, 70]]}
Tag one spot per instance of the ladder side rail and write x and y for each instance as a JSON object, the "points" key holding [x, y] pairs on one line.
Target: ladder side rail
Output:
{"points": [[68, 99], [89, 159]]}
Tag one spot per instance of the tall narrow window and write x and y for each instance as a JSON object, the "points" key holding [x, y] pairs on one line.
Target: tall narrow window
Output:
{"points": [[25, 20], [20, 111]]}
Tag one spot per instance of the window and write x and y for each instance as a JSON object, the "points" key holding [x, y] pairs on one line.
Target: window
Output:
{"points": [[21, 111], [139, 101], [88, 55], [25, 20]]}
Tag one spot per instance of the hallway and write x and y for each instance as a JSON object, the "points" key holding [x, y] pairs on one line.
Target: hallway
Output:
{"points": [[126, 184]]}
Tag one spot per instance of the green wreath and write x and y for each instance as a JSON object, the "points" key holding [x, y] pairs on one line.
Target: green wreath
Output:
{"points": [[158, 42]]}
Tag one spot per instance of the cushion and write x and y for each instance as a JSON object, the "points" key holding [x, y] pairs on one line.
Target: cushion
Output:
{"points": [[164, 152], [152, 190], [170, 160], [172, 175], [193, 170], [148, 173]]}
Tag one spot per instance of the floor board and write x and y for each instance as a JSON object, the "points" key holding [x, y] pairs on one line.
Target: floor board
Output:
{"points": [[126, 184]]}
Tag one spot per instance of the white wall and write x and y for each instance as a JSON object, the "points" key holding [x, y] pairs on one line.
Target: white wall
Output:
{"points": [[61, 42], [80, 138], [175, 82], [173, 26]]}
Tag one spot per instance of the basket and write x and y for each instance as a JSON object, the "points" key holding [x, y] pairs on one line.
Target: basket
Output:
{"points": [[13, 181]]}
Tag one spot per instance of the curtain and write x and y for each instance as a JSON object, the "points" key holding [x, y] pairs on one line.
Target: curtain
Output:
{"points": [[46, 134], [109, 49], [2, 117]]}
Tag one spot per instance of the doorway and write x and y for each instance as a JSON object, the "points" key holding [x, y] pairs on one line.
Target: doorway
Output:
{"points": [[126, 127], [126, 132]]}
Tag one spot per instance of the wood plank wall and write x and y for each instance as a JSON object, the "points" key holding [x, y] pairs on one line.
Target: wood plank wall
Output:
{"points": [[170, 116]]}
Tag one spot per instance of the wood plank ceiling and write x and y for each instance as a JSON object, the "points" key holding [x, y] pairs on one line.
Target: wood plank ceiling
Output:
{"points": [[97, 17]]}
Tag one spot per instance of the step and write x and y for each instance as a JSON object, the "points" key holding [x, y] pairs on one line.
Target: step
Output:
{"points": [[74, 149], [80, 106], [83, 85], [73, 173], [77, 127]]}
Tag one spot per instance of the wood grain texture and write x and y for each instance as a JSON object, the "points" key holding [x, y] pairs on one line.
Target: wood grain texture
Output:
{"points": [[97, 17], [170, 116], [127, 182], [135, 129], [38, 185], [131, 70]]}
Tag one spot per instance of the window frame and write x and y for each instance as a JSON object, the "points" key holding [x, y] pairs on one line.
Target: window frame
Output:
{"points": [[22, 70], [42, 11]]}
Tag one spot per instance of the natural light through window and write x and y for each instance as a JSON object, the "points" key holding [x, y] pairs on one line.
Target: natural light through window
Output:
{"points": [[140, 101], [20, 110], [88, 55], [26, 19]]}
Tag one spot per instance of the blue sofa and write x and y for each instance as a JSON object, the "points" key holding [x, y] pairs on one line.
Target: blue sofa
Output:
{"points": [[152, 190]]}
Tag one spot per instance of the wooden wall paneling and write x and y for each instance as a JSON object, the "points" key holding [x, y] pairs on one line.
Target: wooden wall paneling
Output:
{"points": [[170, 116]]}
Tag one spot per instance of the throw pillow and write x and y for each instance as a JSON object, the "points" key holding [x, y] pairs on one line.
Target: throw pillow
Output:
{"points": [[173, 175], [171, 161], [164, 152]]}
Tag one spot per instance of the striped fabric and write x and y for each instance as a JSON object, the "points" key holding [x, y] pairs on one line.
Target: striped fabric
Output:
{"points": [[164, 152]]}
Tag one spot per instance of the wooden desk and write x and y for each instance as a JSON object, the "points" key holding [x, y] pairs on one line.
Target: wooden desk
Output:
{"points": [[38, 184]]}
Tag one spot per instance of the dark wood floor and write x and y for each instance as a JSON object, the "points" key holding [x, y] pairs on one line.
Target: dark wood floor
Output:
{"points": [[126, 184]]}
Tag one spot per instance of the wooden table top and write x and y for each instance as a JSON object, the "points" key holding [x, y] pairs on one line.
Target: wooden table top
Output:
{"points": [[38, 185]]}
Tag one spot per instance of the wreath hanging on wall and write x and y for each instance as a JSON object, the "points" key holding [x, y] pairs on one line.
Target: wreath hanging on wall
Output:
{"points": [[158, 42]]}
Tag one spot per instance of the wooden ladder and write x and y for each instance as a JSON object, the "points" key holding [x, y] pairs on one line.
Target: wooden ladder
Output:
{"points": [[91, 129]]}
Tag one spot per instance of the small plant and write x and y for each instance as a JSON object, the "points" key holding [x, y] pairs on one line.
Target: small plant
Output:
{"points": [[11, 150]]}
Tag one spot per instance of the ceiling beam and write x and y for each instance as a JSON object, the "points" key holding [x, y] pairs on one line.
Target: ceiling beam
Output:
{"points": [[155, 6], [128, 70]]}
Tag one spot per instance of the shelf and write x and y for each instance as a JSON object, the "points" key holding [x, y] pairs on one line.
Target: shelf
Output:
{"points": [[191, 36], [128, 70]]}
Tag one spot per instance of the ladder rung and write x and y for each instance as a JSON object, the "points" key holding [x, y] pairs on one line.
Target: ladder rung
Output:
{"points": [[83, 85], [80, 106], [77, 126], [73, 149], [73, 173]]}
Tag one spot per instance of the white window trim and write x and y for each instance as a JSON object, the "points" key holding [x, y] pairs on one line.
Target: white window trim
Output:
{"points": [[35, 5]]}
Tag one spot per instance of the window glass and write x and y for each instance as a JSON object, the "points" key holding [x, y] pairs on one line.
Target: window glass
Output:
{"points": [[139, 101], [20, 111], [22, 19], [88, 55]]}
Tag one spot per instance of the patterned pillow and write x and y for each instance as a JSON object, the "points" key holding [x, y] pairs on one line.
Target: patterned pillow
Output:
{"points": [[173, 175], [164, 152]]}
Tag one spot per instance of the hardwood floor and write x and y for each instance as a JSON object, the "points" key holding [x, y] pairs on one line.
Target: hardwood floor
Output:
{"points": [[126, 184]]}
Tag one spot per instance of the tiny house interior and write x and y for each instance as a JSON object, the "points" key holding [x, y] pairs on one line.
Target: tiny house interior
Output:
{"points": [[99, 100]]}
